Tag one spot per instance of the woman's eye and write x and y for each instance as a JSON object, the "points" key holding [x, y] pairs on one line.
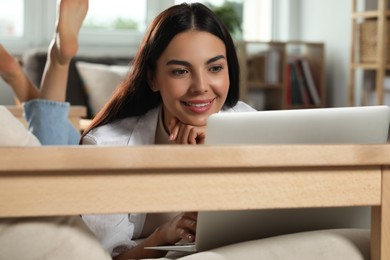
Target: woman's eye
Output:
{"points": [[215, 69], [179, 72]]}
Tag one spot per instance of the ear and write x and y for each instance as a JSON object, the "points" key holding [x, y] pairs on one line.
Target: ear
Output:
{"points": [[152, 82]]}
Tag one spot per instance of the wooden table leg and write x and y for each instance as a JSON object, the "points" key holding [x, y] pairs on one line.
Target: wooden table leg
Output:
{"points": [[380, 229]]}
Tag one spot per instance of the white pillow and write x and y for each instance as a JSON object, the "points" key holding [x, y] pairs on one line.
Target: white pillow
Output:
{"points": [[100, 81], [13, 132]]}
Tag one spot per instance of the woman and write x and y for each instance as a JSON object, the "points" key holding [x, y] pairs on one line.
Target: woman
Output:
{"points": [[185, 70]]}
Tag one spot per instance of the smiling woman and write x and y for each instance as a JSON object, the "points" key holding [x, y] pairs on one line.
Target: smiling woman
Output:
{"points": [[186, 69]]}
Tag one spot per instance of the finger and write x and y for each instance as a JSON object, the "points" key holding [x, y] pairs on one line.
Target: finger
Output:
{"points": [[174, 132], [181, 233], [182, 137], [186, 134], [190, 225], [197, 135], [172, 123], [191, 215], [187, 222], [185, 235], [173, 128], [190, 237], [179, 133], [192, 136]]}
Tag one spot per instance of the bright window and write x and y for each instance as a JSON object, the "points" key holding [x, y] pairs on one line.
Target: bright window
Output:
{"points": [[114, 25], [11, 18], [206, 2], [229, 11], [254, 17], [257, 25], [119, 15]]}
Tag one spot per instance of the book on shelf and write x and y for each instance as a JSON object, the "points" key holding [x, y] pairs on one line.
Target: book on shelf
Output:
{"points": [[296, 95], [310, 82], [288, 85], [300, 83]]}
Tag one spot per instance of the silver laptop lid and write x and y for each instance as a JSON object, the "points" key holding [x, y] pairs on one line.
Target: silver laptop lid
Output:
{"points": [[358, 125]]}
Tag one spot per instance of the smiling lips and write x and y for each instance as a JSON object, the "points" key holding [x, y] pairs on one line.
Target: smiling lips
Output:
{"points": [[199, 106]]}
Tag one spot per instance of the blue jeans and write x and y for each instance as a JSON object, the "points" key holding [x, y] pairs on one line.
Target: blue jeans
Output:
{"points": [[48, 121]]}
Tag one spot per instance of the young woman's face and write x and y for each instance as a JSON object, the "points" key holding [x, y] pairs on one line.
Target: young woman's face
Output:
{"points": [[192, 76]]}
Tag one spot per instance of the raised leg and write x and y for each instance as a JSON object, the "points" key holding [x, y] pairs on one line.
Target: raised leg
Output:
{"points": [[12, 73], [62, 49]]}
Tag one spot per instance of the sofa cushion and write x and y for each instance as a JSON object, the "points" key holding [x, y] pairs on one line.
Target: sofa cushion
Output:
{"points": [[60, 238], [13, 132], [100, 81], [330, 244]]}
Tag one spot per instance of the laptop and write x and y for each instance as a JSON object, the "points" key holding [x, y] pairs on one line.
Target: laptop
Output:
{"points": [[348, 125], [343, 125]]}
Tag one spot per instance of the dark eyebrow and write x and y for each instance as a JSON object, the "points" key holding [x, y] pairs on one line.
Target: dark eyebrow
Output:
{"points": [[187, 64], [178, 62], [215, 59]]}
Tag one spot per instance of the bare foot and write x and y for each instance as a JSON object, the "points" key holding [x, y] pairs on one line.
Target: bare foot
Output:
{"points": [[71, 17], [62, 49], [12, 73]]}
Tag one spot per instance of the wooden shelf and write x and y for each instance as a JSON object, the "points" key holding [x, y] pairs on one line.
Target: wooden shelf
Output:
{"points": [[369, 14], [264, 66], [368, 53], [368, 66]]}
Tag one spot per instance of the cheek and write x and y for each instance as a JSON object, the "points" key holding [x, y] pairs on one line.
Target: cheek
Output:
{"points": [[221, 85], [171, 89]]}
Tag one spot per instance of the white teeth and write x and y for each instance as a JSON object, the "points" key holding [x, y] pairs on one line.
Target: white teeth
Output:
{"points": [[197, 105]]}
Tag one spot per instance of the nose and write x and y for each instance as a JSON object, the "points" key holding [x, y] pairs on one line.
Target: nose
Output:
{"points": [[199, 84]]}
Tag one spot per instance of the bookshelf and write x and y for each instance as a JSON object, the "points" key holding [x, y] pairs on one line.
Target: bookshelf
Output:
{"points": [[272, 73], [369, 56]]}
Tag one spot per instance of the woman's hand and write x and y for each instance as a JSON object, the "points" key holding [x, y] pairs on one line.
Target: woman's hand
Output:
{"points": [[182, 133], [181, 227]]}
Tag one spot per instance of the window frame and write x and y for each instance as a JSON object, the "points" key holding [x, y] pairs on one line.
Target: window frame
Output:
{"points": [[39, 26], [36, 20]]}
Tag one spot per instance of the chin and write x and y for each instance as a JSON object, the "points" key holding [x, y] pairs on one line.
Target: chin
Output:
{"points": [[197, 122]]}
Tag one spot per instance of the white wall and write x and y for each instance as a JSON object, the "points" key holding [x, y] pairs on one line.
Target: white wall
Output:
{"points": [[330, 21]]}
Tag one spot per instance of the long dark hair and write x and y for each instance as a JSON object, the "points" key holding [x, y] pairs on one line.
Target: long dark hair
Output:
{"points": [[134, 97]]}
